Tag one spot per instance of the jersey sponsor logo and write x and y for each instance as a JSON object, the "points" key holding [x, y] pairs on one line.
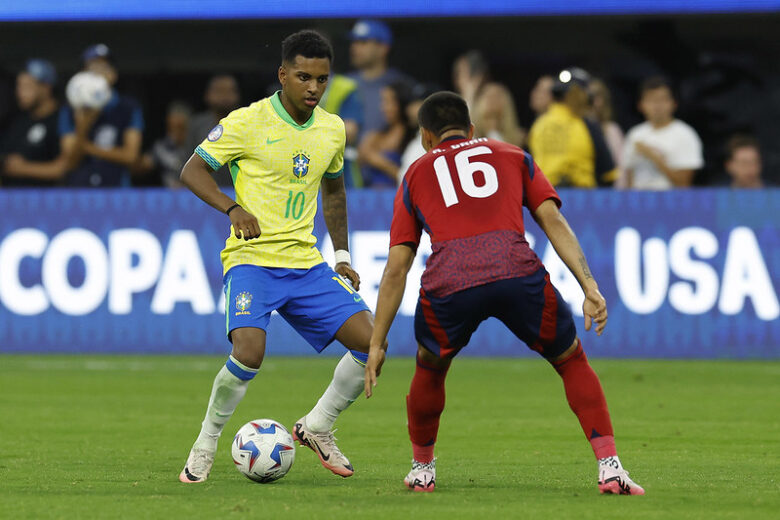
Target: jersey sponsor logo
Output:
{"points": [[300, 164], [215, 133], [243, 302], [268, 140]]}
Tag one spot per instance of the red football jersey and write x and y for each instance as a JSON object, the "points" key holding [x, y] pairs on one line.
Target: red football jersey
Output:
{"points": [[468, 195]]}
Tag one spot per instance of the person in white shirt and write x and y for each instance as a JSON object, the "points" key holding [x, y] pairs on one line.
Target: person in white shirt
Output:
{"points": [[663, 152]]}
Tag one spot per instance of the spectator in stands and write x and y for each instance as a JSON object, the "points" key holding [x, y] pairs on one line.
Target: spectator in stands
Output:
{"points": [[371, 42], [30, 148], [494, 115], [101, 145], [470, 73], [380, 152], [569, 148], [601, 113], [222, 96], [414, 150], [541, 95], [342, 98], [743, 162], [663, 152], [168, 154]]}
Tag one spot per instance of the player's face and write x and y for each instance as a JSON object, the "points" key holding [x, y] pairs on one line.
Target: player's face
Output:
{"points": [[304, 81], [28, 91], [657, 105]]}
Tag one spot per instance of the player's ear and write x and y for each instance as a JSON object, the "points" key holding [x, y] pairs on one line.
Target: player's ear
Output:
{"points": [[471, 130], [282, 74], [426, 136]]}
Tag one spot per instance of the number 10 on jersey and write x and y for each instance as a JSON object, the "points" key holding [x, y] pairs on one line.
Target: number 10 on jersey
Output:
{"points": [[295, 203], [466, 169]]}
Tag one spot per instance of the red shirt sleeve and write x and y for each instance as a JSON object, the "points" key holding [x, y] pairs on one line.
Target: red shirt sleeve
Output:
{"points": [[536, 187], [405, 227]]}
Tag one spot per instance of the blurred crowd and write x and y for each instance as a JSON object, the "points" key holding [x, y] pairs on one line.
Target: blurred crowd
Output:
{"points": [[574, 137]]}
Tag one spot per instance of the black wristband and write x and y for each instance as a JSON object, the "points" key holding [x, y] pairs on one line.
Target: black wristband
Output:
{"points": [[231, 208]]}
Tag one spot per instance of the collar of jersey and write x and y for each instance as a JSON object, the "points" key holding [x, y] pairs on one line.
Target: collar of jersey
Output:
{"points": [[276, 102]]}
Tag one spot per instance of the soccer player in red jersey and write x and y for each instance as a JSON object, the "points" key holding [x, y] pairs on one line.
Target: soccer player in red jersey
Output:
{"points": [[468, 194]]}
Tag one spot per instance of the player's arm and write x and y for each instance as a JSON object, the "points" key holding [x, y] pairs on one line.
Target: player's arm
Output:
{"points": [[391, 291], [196, 175], [557, 229], [334, 209]]}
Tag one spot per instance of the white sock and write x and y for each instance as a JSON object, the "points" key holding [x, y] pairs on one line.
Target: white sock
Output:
{"points": [[346, 386], [612, 462], [227, 392]]}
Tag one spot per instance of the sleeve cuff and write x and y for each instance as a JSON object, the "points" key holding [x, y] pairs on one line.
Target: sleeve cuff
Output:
{"points": [[334, 175], [215, 164]]}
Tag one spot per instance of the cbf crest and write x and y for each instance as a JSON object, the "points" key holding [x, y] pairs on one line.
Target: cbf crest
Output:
{"points": [[243, 302], [300, 164]]}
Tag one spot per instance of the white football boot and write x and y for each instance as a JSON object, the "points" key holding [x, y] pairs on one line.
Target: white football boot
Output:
{"points": [[422, 477], [198, 466]]}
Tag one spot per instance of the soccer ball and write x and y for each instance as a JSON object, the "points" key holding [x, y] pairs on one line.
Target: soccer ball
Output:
{"points": [[88, 90], [263, 450]]}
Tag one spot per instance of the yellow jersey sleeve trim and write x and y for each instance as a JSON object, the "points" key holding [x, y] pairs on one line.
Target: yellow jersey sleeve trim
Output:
{"points": [[333, 175], [211, 161]]}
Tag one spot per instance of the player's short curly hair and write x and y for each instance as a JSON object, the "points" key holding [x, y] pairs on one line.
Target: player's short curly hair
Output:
{"points": [[444, 111], [306, 43]]}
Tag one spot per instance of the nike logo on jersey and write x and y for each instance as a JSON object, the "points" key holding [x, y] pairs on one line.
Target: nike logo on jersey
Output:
{"points": [[268, 140]]}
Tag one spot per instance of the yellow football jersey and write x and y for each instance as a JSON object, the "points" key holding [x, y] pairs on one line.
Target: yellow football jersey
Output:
{"points": [[277, 166]]}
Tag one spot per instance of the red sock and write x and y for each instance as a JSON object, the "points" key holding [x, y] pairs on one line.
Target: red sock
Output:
{"points": [[586, 399], [424, 405]]}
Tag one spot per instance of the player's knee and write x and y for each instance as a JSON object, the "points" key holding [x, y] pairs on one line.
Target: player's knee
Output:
{"points": [[431, 359], [566, 354], [249, 346]]}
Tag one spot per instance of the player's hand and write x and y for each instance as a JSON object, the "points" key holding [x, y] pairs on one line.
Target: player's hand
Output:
{"points": [[595, 309], [376, 358], [244, 224], [345, 270]]}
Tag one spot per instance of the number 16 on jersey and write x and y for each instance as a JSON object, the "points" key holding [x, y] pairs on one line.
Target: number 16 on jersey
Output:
{"points": [[466, 169]]}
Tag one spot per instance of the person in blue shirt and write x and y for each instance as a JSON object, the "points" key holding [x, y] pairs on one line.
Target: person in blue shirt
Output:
{"points": [[369, 50], [101, 145]]}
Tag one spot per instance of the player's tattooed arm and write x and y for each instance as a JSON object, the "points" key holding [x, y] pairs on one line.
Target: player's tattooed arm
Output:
{"points": [[585, 269], [568, 248], [561, 236], [334, 209]]}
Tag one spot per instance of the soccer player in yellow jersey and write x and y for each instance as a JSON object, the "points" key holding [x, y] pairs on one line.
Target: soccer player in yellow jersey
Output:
{"points": [[281, 150]]}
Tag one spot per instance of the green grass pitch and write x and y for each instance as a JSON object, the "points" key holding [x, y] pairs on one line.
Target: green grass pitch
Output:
{"points": [[105, 437]]}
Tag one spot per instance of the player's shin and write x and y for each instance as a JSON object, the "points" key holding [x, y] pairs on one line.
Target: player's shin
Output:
{"points": [[424, 406], [344, 389], [586, 399], [229, 388]]}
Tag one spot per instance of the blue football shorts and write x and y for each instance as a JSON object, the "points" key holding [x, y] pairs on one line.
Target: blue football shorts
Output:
{"points": [[528, 305], [315, 302]]}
